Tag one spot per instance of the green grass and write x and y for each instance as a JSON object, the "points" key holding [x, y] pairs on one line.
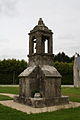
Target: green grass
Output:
{"points": [[12, 90], [73, 93], [3, 97], [7, 113]]}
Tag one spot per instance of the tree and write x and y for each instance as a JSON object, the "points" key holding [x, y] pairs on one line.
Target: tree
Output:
{"points": [[10, 69], [61, 57]]}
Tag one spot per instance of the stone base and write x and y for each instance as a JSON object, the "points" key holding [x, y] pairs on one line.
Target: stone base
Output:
{"points": [[42, 102]]}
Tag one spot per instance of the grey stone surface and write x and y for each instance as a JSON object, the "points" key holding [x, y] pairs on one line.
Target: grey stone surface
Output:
{"points": [[30, 110], [40, 77], [78, 62], [27, 71], [46, 69], [43, 102], [76, 71]]}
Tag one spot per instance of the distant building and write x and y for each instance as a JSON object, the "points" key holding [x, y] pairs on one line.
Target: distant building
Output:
{"points": [[76, 70]]}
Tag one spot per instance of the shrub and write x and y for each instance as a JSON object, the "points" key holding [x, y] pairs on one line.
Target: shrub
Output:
{"points": [[10, 69], [66, 70]]}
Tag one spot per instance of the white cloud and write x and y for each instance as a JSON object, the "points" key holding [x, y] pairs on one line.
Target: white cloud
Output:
{"points": [[18, 17]]}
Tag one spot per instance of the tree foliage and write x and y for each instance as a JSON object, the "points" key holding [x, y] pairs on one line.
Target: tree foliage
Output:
{"points": [[62, 57], [10, 69], [66, 70]]}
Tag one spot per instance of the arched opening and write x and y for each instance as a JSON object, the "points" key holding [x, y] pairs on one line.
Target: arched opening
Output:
{"points": [[46, 46], [34, 46]]}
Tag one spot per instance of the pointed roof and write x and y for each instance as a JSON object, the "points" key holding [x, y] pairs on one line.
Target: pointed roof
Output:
{"points": [[40, 22], [48, 71], [27, 71], [41, 27]]}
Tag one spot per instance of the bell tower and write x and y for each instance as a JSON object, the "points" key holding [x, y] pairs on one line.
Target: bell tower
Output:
{"points": [[40, 45], [40, 83]]}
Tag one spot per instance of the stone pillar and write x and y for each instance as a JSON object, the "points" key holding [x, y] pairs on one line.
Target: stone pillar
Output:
{"points": [[43, 46], [31, 46], [38, 45], [50, 45], [76, 73]]}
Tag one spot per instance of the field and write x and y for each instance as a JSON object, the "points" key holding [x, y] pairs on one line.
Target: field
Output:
{"points": [[7, 113]]}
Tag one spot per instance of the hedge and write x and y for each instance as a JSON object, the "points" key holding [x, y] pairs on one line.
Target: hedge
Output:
{"points": [[66, 70], [10, 69]]}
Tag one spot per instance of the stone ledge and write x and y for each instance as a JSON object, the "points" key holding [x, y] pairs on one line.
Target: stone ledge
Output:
{"points": [[29, 110], [42, 102]]}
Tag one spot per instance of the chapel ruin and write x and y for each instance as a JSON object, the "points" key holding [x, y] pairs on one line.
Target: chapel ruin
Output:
{"points": [[40, 83]]}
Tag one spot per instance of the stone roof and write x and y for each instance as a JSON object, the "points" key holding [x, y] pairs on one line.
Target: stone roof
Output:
{"points": [[78, 62], [41, 26], [48, 71], [27, 71]]}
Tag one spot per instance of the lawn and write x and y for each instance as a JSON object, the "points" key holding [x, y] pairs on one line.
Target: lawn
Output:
{"points": [[73, 93], [7, 113], [2, 97], [12, 90]]}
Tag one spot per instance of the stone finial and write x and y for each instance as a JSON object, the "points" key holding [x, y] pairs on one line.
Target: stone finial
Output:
{"points": [[76, 54], [40, 22]]}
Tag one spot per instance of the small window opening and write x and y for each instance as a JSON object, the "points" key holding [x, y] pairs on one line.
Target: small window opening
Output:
{"points": [[46, 46], [34, 49]]}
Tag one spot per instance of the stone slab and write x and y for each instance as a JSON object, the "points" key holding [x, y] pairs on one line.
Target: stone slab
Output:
{"points": [[42, 102], [29, 110], [7, 94], [70, 86], [18, 85]]}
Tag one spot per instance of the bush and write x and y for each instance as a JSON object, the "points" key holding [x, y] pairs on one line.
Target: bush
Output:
{"points": [[66, 70], [10, 69]]}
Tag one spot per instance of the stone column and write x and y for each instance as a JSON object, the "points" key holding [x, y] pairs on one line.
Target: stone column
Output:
{"points": [[43, 46], [31, 46], [50, 45], [39, 45], [76, 73]]}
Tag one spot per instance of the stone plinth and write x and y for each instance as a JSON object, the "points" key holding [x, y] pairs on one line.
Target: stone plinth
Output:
{"points": [[43, 102], [41, 59]]}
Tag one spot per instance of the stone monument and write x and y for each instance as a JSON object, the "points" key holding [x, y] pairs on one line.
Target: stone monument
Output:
{"points": [[40, 83], [76, 70]]}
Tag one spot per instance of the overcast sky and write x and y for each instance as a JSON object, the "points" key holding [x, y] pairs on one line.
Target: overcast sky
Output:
{"points": [[18, 17]]}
